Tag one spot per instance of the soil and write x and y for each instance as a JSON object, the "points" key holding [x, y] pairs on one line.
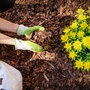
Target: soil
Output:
{"points": [[51, 69]]}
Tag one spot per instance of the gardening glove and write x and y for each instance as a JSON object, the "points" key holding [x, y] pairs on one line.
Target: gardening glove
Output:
{"points": [[10, 78], [23, 30], [27, 45]]}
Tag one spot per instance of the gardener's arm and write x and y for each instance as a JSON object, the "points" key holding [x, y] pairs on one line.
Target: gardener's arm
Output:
{"points": [[20, 44], [8, 26], [19, 29], [6, 40]]}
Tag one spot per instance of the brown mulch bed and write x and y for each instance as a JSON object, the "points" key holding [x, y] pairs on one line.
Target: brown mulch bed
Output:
{"points": [[51, 69]]}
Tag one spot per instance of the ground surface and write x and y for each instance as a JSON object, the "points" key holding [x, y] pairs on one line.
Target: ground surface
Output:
{"points": [[52, 69]]}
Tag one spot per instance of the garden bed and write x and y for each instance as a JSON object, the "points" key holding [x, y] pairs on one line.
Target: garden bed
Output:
{"points": [[51, 69]]}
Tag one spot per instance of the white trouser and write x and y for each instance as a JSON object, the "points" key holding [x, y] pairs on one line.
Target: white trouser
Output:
{"points": [[11, 78]]}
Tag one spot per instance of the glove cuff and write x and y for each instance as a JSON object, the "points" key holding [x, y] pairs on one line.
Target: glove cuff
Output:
{"points": [[20, 30], [19, 44]]}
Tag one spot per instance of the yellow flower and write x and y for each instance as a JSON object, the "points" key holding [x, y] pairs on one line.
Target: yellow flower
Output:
{"points": [[80, 34], [79, 64], [77, 45], [87, 16], [86, 41], [74, 25], [80, 11], [64, 38], [88, 7], [66, 30], [67, 46], [74, 21], [72, 54], [87, 65], [81, 17], [73, 34], [84, 25]]}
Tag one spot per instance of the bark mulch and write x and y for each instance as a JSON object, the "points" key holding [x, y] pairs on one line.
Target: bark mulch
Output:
{"points": [[51, 69]]}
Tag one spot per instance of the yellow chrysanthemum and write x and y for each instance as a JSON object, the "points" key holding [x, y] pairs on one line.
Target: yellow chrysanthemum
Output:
{"points": [[80, 11], [84, 25], [81, 17], [88, 7], [79, 64], [64, 38], [77, 45], [74, 25], [73, 34], [72, 55], [74, 21], [87, 16], [86, 41], [87, 65], [66, 30], [67, 46], [80, 34]]}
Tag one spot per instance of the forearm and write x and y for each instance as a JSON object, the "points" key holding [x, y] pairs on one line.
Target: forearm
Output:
{"points": [[8, 26], [6, 40]]}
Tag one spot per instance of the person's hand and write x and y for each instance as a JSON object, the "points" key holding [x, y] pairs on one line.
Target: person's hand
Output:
{"points": [[23, 30], [27, 45], [31, 29]]}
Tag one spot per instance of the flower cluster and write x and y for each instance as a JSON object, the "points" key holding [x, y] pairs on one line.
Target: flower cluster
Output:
{"points": [[77, 40]]}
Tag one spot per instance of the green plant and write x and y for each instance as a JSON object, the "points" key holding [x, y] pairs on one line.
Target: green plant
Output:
{"points": [[77, 40]]}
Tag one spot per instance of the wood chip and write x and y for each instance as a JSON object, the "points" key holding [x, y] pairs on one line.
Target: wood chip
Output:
{"points": [[47, 79]]}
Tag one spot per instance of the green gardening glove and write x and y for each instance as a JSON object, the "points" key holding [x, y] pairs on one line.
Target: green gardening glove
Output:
{"points": [[27, 45], [23, 30], [35, 28]]}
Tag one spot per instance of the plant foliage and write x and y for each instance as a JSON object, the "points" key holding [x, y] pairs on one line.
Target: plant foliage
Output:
{"points": [[77, 40]]}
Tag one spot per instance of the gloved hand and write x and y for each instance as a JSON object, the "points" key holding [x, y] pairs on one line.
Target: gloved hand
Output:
{"points": [[27, 45], [23, 30]]}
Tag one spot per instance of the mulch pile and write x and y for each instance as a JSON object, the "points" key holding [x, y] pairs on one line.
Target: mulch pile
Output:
{"points": [[51, 69]]}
